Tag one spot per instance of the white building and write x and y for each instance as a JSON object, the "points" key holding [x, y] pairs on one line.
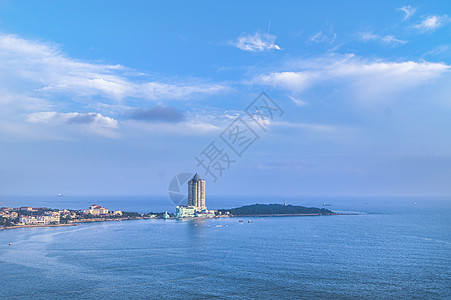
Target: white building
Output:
{"points": [[196, 193], [185, 212], [96, 210], [196, 207]]}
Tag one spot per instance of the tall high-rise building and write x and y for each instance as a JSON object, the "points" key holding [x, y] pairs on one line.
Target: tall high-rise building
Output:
{"points": [[196, 193]]}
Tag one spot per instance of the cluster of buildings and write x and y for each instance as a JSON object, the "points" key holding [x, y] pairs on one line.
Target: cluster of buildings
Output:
{"points": [[48, 218], [8, 213], [26, 215], [196, 207]]}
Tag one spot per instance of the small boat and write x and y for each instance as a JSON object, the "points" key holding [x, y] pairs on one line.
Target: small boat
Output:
{"points": [[10, 244], [240, 221], [249, 221], [218, 225], [327, 204]]}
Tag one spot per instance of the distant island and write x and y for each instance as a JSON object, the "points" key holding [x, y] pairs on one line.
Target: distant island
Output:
{"points": [[276, 210]]}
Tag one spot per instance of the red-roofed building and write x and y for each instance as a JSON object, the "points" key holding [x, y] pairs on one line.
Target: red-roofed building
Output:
{"points": [[96, 210]]}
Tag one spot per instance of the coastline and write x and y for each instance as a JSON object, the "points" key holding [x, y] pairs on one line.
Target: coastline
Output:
{"points": [[31, 226], [108, 220], [72, 224], [80, 221]]}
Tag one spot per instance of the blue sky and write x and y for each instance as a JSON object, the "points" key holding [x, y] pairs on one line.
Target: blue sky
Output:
{"points": [[116, 98]]}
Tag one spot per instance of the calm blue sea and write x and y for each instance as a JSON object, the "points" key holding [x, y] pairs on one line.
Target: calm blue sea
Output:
{"points": [[395, 248]]}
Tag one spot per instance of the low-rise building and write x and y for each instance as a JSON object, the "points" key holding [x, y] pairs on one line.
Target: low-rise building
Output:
{"points": [[96, 210], [39, 220], [185, 212], [206, 213], [9, 215], [38, 208]]}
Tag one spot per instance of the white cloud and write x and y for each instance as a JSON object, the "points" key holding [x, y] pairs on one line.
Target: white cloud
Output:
{"points": [[388, 40], [37, 77], [257, 42], [73, 118], [431, 23], [91, 122], [293, 81], [366, 80], [42, 67], [408, 10]]}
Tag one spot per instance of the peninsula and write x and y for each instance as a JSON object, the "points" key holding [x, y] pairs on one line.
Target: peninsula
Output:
{"points": [[262, 210]]}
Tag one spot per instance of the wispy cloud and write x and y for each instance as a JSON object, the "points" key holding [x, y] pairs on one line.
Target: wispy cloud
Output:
{"points": [[297, 101], [388, 40], [323, 37], [408, 10], [391, 40], [431, 23], [440, 51], [258, 42]]}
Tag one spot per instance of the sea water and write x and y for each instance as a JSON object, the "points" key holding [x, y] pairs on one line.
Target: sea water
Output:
{"points": [[392, 248]]}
